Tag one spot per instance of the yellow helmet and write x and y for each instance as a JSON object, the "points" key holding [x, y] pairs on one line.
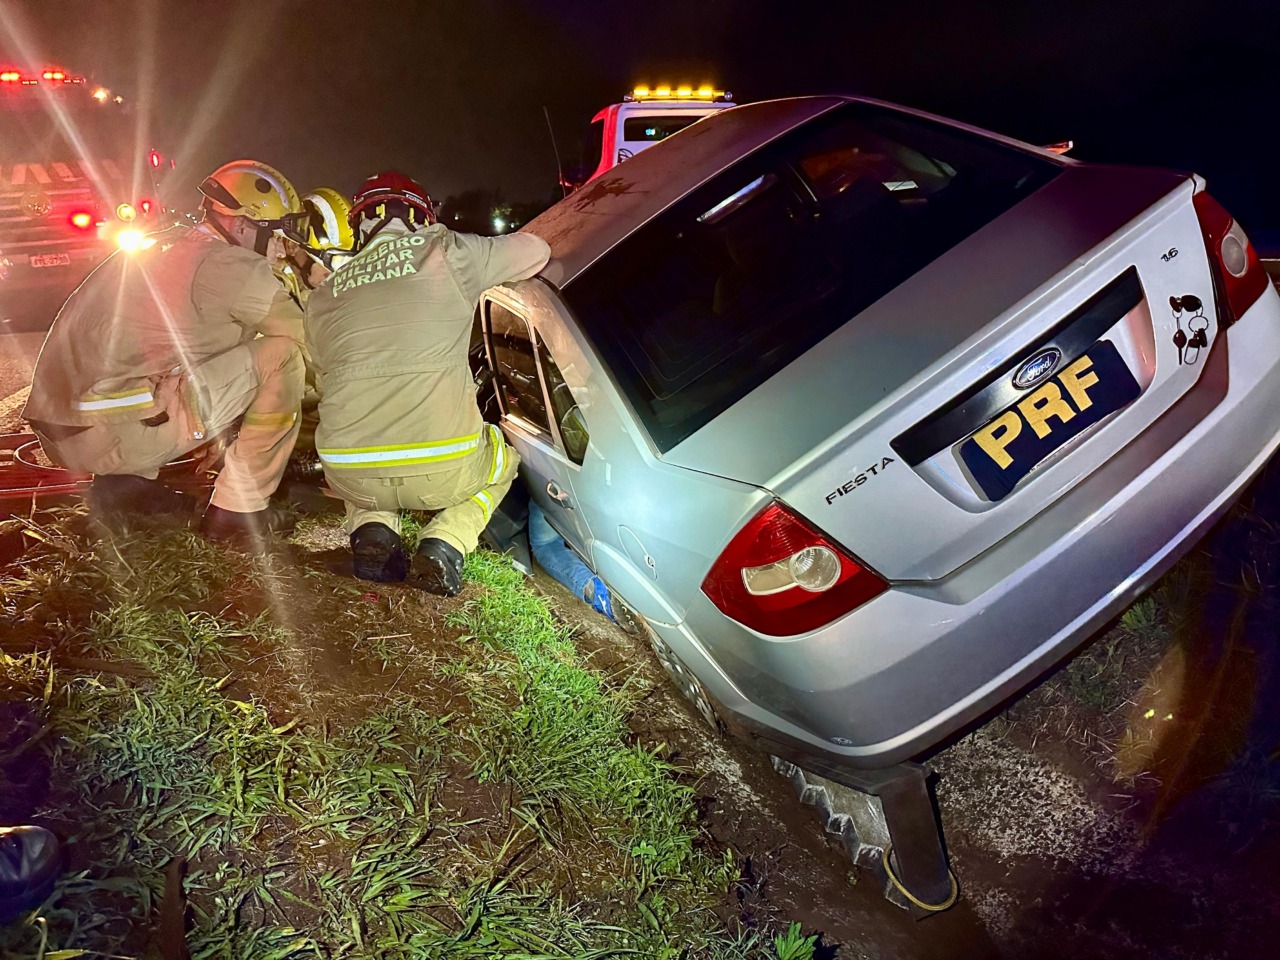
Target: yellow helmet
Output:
{"points": [[249, 188], [328, 226]]}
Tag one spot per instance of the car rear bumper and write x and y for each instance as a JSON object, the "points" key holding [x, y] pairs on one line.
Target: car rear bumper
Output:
{"points": [[895, 677]]}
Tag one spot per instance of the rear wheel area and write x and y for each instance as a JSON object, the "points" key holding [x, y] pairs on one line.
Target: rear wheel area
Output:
{"points": [[684, 679]]}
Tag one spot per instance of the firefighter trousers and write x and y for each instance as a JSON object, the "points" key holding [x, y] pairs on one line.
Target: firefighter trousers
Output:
{"points": [[259, 383], [465, 493]]}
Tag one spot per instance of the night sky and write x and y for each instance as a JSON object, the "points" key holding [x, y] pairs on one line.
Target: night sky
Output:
{"points": [[452, 92]]}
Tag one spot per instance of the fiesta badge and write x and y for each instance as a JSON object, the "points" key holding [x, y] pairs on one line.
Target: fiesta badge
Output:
{"points": [[1038, 368]]}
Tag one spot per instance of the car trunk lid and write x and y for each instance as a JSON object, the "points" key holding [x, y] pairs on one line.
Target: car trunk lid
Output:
{"points": [[865, 434]]}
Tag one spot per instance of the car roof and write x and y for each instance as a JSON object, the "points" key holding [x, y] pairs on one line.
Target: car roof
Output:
{"points": [[587, 224]]}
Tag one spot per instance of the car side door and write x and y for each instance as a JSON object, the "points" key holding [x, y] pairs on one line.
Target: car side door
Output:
{"points": [[538, 416]]}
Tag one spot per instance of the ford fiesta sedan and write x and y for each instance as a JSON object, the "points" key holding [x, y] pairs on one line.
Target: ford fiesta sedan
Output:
{"points": [[874, 416]]}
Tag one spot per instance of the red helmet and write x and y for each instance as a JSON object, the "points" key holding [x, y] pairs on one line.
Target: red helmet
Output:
{"points": [[392, 187]]}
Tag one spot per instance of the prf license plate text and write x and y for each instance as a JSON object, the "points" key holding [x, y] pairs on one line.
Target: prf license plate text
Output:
{"points": [[1006, 449]]}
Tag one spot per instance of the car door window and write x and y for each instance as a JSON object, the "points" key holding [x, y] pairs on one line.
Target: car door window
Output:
{"points": [[515, 368], [568, 415]]}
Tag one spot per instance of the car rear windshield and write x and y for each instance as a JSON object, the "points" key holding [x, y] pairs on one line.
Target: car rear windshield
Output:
{"points": [[728, 286]]}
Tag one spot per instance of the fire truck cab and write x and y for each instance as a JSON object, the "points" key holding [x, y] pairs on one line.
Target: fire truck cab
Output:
{"points": [[649, 115], [74, 186]]}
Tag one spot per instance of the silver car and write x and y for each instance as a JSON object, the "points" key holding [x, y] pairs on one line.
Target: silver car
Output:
{"points": [[875, 416]]}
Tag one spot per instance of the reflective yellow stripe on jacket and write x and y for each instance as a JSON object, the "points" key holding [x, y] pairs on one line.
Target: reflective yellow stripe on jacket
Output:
{"points": [[499, 444], [114, 402], [401, 454]]}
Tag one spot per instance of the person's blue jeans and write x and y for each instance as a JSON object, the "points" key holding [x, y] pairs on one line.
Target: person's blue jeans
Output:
{"points": [[554, 555]]}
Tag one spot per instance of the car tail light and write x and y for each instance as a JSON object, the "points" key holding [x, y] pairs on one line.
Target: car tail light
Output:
{"points": [[781, 577], [1238, 274], [155, 159], [146, 206], [82, 219]]}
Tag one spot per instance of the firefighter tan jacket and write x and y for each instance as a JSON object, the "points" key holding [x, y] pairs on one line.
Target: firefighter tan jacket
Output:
{"points": [[122, 342], [388, 333]]}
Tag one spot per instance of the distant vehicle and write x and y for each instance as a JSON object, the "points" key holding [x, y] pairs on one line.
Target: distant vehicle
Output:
{"points": [[74, 185], [646, 116], [874, 416]]}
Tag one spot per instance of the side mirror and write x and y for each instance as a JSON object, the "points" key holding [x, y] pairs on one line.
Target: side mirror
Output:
{"points": [[1060, 147]]}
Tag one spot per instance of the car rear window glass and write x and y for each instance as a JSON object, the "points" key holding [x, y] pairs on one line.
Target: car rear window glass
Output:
{"points": [[728, 286], [652, 129]]}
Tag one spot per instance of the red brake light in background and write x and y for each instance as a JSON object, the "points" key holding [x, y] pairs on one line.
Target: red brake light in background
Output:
{"points": [[155, 159], [10, 76], [145, 205], [1238, 275], [54, 75], [82, 220], [781, 577]]}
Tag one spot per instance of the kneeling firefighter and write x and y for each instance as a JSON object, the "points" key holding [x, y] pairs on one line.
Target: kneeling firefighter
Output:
{"points": [[162, 348], [399, 424]]}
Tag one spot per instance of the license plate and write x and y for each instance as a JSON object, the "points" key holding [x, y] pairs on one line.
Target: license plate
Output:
{"points": [[51, 260], [1086, 390]]}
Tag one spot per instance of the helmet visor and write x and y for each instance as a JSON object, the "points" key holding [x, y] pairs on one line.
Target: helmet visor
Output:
{"points": [[292, 226]]}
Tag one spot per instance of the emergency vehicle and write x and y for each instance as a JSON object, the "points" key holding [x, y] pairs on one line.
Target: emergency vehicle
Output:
{"points": [[73, 187], [646, 116]]}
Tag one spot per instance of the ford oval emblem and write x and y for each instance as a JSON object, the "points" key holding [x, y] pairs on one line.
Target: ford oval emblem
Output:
{"points": [[1038, 368]]}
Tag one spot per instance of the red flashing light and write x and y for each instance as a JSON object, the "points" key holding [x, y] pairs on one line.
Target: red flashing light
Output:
{"points": [[82, 220], [145, 205], [155, 159], [10, 76], [54, 75]]}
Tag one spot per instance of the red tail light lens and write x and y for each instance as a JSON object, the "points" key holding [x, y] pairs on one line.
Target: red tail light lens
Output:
{"points": [[781, 577], [1238, 275], [82, 220]]}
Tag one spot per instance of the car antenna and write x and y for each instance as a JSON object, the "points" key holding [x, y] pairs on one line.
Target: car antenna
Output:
{"points": [[559, 166]]}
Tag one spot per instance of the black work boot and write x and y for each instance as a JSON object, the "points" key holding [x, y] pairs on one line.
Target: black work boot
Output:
{"points": [[438, 567], [115, 499], [377, 553], [30, 862], [252, 531]]}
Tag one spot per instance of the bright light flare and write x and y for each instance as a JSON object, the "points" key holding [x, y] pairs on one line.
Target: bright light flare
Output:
{"points": [[101, 95], [82, 220], [126, 212], [132, 240]]}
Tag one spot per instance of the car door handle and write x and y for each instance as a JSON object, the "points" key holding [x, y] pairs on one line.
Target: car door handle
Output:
{"points": [[559, 496]]}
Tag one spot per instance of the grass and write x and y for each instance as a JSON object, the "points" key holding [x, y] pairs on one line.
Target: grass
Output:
{"points": [[340, 836]]}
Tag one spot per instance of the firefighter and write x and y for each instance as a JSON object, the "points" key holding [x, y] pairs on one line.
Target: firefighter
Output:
{"points": [[163, 348], [309, 257], [399, 424]]}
